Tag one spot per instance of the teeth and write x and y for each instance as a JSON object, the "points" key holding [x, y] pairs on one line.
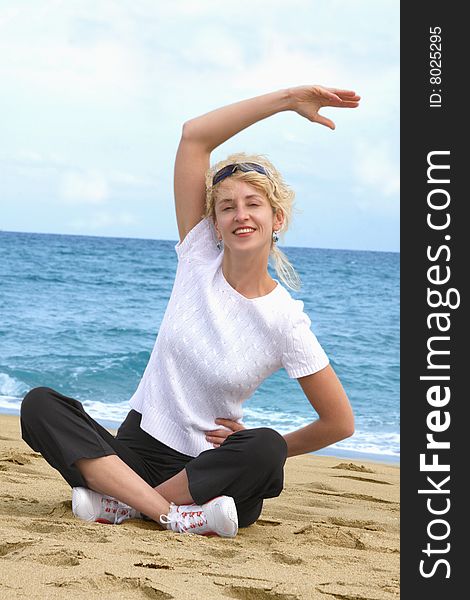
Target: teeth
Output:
{"points": [[245, 230]]}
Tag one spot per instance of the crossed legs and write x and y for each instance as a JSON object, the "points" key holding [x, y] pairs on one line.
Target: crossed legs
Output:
{"points": [[247, 466]]}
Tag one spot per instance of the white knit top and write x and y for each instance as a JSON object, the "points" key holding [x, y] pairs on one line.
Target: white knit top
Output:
{"points": [[215, 347]]}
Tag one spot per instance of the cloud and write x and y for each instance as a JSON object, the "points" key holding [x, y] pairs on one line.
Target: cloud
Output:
{"points": [[377, 176], [61, 53], [84, 188], [105, 86]]}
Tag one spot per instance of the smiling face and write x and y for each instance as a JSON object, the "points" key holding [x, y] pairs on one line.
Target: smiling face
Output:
{"points": [[244, 218]]}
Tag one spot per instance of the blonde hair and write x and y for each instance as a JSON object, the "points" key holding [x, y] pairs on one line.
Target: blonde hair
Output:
{"points": [[279, 195]]}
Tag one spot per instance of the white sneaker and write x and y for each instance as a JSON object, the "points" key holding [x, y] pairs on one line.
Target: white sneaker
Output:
{"points": [[216, 517], [93, 507]]}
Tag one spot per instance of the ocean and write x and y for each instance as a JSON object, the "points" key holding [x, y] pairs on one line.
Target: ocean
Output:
{"points": [[80, 314]]}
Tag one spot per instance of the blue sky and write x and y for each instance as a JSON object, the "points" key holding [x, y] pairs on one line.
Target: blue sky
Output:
{"points": [[93, 95]]}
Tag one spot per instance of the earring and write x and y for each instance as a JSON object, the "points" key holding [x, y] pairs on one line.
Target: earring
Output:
{"points": [[275, 236], [219, 244]]}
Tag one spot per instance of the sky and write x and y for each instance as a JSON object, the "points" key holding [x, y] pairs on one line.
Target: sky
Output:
{"points": [[94, 93]]}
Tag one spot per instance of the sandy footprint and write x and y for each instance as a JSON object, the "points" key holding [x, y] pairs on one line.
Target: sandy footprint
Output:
{"points": [[365, 479], [18, 458], [85, 532], [61, 509], [356, 523], [320, 503], [10, 498], [254, 593], [268, 522], [319, 487], [11, 549], [223, 552], [8, 478], [368, 498], [109, 582], [355, 592], [352, 467], [61, 558], [332, 536], [44, 526], [286, 559]]}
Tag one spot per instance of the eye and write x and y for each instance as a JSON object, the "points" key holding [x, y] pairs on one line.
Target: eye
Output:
{"points": [[227, 208]]}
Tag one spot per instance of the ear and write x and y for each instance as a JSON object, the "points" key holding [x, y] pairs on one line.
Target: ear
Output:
{"points": [[214, 220], [279, 219]]}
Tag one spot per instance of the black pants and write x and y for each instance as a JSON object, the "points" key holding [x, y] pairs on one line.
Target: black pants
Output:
{"points": [[248, 465]]}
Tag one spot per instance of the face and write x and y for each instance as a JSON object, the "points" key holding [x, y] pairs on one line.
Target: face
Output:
{"points": [[244, 218]]}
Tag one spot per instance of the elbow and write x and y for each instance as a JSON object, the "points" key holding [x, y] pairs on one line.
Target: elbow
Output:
{"points": [[346, 429], [189, 131], [347, 432], [186, 131], [193, 135]]}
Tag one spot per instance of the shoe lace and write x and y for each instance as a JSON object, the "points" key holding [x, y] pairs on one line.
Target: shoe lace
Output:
{"points": [[119, 510], [184, 521]]}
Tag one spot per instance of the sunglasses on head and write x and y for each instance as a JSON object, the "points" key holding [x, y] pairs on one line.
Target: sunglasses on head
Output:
{"points": [[231, 169]]}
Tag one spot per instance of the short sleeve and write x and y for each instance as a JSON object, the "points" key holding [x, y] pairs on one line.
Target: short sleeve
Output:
{"points": [[303, 354], [200, 242]]}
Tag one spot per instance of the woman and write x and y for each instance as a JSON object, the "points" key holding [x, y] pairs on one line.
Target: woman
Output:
{"points": [[182, 457]]}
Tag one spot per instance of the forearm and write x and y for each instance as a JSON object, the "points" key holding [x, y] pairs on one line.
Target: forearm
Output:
{"points": [[318, 434], [217, 126]]}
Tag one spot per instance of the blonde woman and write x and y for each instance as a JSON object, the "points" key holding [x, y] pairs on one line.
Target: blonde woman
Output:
{"points": [[183, 457]]}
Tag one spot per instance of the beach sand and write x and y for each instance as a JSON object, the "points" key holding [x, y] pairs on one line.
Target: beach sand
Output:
{"points": [[332, 534]]}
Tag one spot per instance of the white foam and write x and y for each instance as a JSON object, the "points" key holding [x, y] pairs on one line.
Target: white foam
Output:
{"points": [[12, 392], [11, 387]]}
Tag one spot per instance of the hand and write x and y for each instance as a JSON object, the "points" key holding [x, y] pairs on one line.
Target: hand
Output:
{"points": [[217, 436], [307, 101]]}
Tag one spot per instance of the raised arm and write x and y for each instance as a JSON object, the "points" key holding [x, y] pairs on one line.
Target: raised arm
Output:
{"points": [[202, 135], [205, 133]]}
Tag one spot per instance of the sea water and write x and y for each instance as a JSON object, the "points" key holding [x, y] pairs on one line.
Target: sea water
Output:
{"points": [[80, 314]]}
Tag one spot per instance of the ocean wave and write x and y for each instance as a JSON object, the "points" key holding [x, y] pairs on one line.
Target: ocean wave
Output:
{"points": [[380, 443], [11, 388]]}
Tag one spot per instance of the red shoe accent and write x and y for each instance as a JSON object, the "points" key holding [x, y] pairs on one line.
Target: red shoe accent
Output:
{"points": [[105, 521]]}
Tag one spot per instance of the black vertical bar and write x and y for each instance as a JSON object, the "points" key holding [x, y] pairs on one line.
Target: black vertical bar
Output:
{"points": [[434, 255]]}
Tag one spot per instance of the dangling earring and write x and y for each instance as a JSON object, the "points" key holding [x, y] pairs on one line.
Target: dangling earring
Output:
{"points": [[275, 236], [219, 244]]}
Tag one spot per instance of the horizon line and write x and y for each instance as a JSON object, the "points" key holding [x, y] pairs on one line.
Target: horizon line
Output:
{"points": [[117, 237]]}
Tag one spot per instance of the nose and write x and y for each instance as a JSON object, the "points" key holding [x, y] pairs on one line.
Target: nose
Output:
{"points": [[241, 213]]}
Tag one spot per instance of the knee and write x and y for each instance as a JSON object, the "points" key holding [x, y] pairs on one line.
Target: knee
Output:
{"points": [[268, 447], [36, 402], [248, 517]]}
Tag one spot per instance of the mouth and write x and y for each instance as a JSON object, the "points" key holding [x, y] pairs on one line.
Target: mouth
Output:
{"points": [[244, 231]]}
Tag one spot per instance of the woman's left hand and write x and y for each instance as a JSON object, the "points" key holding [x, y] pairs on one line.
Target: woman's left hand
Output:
{"points": [[307, 100], [218, 436]]}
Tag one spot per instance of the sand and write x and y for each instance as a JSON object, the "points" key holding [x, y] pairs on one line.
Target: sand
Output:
{"points": [[332, 534]]}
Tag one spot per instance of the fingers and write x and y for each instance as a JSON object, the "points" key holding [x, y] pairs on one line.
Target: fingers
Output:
{"points": [[233, 425], [219, 432], [217, 437], [348, 94], [330, 95], [324, 121], [343, 98], [346, 102], [349, 104]]}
